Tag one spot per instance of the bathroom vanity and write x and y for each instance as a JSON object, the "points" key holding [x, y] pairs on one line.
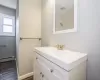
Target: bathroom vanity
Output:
{"points": [[53, 64]]}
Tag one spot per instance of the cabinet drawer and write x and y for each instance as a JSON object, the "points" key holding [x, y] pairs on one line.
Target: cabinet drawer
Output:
{"points": [[59, 74], [45, 64], [52, 69]]}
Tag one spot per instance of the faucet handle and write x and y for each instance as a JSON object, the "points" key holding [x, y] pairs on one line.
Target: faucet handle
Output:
{"points": [[60, 47]]}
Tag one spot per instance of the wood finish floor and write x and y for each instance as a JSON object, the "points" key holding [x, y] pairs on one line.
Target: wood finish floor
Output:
{"points": [[8, 70]]}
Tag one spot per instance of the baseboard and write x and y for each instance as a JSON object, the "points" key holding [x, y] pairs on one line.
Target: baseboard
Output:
{"points": [[7, 59], [25, 76]]}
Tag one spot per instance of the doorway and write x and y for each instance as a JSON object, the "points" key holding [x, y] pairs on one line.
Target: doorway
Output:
{"points": [[8, 70]]}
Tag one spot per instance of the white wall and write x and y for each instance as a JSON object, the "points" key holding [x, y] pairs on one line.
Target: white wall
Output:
{"points": [[86, 39], [30, 18], [9, 3], [29, 27]]}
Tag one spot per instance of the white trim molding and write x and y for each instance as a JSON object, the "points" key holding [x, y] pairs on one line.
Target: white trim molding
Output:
{"points": [[25, 76]]}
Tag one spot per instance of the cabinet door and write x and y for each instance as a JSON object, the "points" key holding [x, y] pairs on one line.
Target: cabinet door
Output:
{"points": [[41, 73], [50, 70], [46, 78], [58, 73], [38, 73], [43, 69]]}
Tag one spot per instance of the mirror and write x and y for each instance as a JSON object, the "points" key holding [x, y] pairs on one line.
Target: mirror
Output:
{"points": [[65, 16]]}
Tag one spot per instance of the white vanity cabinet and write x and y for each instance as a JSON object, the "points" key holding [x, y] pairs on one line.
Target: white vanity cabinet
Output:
{"points": [[49, 65]]}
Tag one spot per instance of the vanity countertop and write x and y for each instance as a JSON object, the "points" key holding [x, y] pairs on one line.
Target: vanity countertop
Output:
{"points": [[64, 58]]}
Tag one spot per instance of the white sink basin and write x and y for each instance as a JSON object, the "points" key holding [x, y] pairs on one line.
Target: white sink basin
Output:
{"points": [[65, 58]]}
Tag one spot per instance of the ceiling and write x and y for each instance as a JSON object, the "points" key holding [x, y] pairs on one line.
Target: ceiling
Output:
{"points": [[9, 3]]}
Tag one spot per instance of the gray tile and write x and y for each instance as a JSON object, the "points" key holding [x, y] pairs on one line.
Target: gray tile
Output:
{"points": [[8, 71]]}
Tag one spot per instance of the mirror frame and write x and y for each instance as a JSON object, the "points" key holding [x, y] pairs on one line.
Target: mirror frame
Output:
{"points": [[75, 20]]}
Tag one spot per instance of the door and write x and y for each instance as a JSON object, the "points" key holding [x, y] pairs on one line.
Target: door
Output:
{"points": [[29, 32]]}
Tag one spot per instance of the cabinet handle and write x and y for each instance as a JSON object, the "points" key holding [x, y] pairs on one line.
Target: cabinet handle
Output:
{"points": [[42, 75], [40, 72], [51, 70], [36, 58]]}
